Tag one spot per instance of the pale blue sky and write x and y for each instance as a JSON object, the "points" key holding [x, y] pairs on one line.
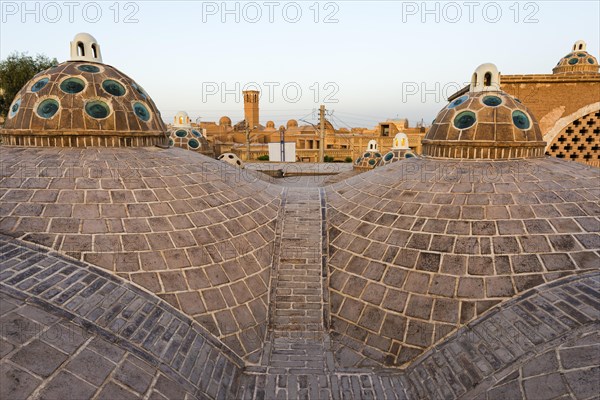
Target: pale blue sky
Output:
{"points": [[375, 57]]}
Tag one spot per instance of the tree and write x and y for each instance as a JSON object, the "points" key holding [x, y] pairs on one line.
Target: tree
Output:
{"points": [[15, 71]]}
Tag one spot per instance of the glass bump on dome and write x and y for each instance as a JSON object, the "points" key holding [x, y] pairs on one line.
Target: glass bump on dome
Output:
{"points": [[97, 109], [569, 55], [196, 133], [171, 143], [193, 143], [88, 68], [39, 85], [465, 120], [492, 101], [458, 101], [141, 111], [139, 90], [48, 108], [581, 54], [521, 120], [591, 60], [409, 155], [72, 85], [377, 155], [181, 133], [14, 108], [367, 155], [573, 61], [388, 156], [113, 87], [371, 162]]}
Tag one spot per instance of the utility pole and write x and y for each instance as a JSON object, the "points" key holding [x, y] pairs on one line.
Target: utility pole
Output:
{"points": [[247, 142], [322, 134]]}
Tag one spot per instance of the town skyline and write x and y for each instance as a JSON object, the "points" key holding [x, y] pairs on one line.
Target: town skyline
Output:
{"points": [[366, 64]]}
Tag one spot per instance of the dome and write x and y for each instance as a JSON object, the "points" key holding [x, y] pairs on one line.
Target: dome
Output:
{"points": [[82, 103], [270, 125], [225, 121], [395, 155], [577, 61], [182, 120], [423, 246], [190, 139], [231, 159], [292, 123], [400, 141], [485, 123], [368, 160]]}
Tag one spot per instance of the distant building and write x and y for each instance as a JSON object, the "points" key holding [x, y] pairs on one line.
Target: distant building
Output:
{"points": [[339, 143]]}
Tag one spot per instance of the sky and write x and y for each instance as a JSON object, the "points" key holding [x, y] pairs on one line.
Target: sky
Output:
{"points": [[367, 61]]}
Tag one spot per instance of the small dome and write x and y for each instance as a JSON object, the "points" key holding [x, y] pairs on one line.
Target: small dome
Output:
{"points": [[395, 155], [190, 139], [83, 103], [231, 159], [225, 121], [292, 123], [370, 158], [485, 123], [400, 141], [577, 61], [270, 124], [182, 120], [85, 47]]}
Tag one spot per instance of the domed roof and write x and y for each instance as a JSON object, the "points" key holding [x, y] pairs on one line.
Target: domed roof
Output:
{"points": [[425, 245], [225, 121], [292, 123], [83, 103], [395, 155], [185, 227], [182, 120], [368, 160], [190, 139], [231, 159], [485, 123], [270, 125], [578, 61]]}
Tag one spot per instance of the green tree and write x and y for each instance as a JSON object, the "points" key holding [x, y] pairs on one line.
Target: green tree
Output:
{"points": [[15, 71]]}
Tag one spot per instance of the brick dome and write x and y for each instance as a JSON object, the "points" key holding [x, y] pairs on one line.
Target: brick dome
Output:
{"points": [[577, 61], [422, 246], [485, 123], [83, 103]]}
